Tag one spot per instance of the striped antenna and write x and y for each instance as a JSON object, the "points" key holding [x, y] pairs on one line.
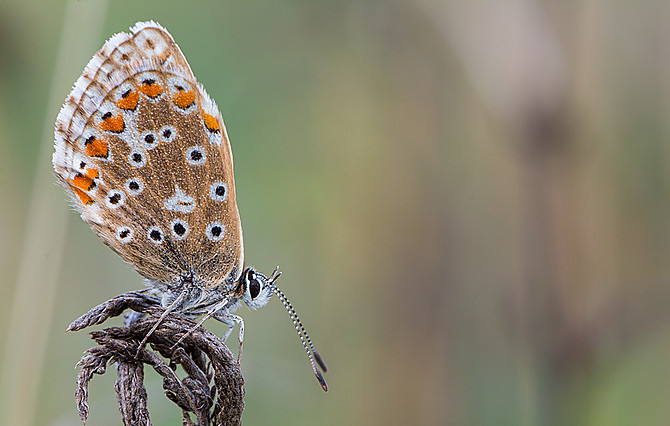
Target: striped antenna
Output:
{"points": [[312, 354]]}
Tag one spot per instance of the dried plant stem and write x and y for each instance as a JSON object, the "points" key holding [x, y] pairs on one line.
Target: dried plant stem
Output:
{"points": [[212, 389]]}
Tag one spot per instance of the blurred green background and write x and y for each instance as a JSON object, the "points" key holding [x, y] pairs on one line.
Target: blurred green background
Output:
{"points": [[469, 200]]}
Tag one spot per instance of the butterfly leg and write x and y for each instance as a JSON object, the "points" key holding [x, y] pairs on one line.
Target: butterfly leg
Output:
{"points": [[231, 320]]}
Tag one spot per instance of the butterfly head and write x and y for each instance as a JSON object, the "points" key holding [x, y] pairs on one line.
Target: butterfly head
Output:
{"points": [[255, 288]]}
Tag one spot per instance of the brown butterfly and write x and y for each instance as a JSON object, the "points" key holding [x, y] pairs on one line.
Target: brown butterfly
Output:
{"points": [[143, 152]]}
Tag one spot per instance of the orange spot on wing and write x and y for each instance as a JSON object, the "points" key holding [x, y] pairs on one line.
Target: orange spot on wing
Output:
{"points": [[113, 123], [92, 172], [83, 196], [152, 89], [129, 101], [184, 99], [96, 147], [211, 123], [83, 182]]}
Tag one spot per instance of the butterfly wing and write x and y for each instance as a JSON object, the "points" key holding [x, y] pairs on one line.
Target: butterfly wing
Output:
{"points": [[143, 152]]}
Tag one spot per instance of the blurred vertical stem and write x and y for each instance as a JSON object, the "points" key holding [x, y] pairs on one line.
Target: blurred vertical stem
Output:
{"points": [[38, 270], [542, 324], [516, 59]]}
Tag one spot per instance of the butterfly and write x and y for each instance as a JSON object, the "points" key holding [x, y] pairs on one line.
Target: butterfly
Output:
{"points": [[142, 151]]}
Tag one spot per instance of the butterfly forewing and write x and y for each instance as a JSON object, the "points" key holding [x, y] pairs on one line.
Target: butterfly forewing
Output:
{"points": [[143, 152]]}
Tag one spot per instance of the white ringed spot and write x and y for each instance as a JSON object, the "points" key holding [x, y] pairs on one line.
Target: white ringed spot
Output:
{"points": [[149, 140], [155, 235], [218, 191], [134, 186], [124, 234], [115, 199], [179, 229], [195, 155], [167, 133], [137, 157], [215, 231]]}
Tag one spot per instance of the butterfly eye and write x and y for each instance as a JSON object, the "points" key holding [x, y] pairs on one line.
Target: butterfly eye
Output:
{"points": [[254, 288]]}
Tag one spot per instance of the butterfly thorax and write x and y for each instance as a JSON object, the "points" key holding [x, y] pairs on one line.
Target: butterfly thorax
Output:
{"points": [[191, 298]]}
